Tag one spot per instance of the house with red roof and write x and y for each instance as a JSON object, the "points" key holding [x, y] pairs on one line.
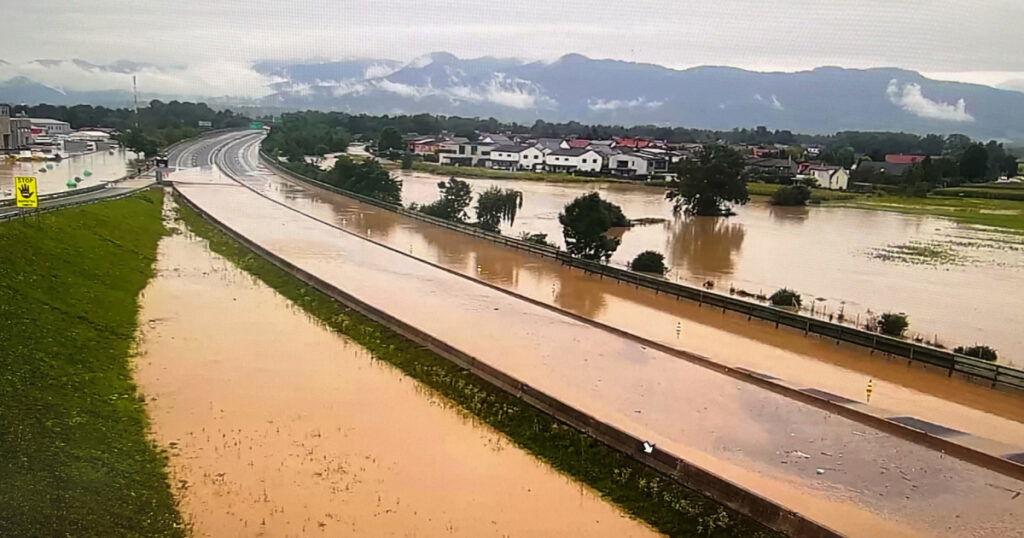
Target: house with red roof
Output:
{"points": [[900, 158]]}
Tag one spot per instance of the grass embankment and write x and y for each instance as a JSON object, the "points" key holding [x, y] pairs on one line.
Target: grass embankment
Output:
{"points": [[649, 496], [74, 456], [817, 195], [489, 173], [983, 209], [986, 212]]}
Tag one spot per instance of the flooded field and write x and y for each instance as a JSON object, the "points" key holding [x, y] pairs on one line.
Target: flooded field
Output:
{"points": [[276, 426], [103, 165], [869, 483], [957, 283]]}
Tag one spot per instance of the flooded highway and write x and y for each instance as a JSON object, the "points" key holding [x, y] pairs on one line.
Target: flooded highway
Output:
{"points": [[955, 282], [725, 337], [276, 426], [103, 165], [855, 479]]}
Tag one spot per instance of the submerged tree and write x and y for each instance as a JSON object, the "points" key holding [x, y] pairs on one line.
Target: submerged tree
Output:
{"points": [[456, 196], [585, 221], [706, 185], [497, 205], [368, 178]]}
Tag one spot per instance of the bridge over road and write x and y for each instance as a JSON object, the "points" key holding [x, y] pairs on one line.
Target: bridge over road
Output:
{"points": [[850, 477]]}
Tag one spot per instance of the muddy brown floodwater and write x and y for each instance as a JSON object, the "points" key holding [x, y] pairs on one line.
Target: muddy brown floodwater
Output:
{"points": [[844, 474], [103, 165], [277, 426], [726, 338], [954, 281]]}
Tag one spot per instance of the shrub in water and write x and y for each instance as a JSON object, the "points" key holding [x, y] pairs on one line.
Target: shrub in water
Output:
{"points": [[893, 324], [785, 297], [984, 353], [649, 261]]}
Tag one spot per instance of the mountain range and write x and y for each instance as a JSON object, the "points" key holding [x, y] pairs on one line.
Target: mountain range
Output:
{"points": [[574, 87]]}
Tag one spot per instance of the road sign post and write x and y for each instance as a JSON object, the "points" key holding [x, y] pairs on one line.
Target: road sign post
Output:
{"points": [[26, 192]]}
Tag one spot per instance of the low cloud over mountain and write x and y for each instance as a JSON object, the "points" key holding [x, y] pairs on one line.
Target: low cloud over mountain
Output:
{"points": [[575, 87]]}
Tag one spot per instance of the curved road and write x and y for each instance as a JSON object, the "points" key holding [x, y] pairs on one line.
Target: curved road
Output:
{"points": [[850, 477]]}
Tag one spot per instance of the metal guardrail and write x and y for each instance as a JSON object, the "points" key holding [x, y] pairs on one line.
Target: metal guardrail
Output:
{"points": [[996, 375]]}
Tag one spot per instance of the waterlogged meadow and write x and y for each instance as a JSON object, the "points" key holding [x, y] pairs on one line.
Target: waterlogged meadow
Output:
{"points": [[74, 457]]}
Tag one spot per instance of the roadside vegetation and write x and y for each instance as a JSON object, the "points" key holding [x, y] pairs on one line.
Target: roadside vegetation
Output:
{"points": [[892, 324], [74, 456], [786, 297], [984, 353], [651, 497]]}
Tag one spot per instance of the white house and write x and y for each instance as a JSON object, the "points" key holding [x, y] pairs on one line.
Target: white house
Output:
{"points": [[50, 127], [829, 177], [640, 163], [573, 160], [464, 153], [513, 157]]}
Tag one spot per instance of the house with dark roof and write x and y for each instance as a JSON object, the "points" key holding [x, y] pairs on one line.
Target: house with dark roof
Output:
{"points": [[547, 145], [573, 160], [645, 163], [516, 157], [868, 167]]}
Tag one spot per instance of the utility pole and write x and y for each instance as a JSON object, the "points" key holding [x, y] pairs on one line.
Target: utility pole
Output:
{"points": [[135, 92]]}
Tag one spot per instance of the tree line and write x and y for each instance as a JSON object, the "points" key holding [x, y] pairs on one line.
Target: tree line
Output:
{"points": [[156, 125]]}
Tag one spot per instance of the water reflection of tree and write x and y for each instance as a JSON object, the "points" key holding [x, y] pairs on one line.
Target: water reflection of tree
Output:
{"points": [[579, 293], [450, 246], [706, 246], [789, 215], [499, 265]]}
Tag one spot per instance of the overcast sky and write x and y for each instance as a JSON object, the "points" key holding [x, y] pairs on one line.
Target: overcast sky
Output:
{"points": [[216, 40]]}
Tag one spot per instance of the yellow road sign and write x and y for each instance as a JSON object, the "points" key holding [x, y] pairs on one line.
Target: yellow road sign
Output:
{"points": [[25, 191]]}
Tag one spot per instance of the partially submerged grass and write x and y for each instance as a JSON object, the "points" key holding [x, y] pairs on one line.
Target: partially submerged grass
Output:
{"points": [[919, 253], [817, 195], [651, 497], [985, 212], [74, 456]]}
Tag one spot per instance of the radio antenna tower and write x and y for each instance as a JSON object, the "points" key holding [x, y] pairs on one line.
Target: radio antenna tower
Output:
{"points": [[135, 92]]}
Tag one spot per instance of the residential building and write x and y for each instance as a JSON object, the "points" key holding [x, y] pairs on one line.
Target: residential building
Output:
{"points": [[829, 177], [423, 145], [495, 139], [899, 158], [516, 157], [637, 143], [547, 145], [868, 167], [573, 160], [639, 164], [814, 150], [464, 153], [50, 127], [15, 133], [772, 166]]}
